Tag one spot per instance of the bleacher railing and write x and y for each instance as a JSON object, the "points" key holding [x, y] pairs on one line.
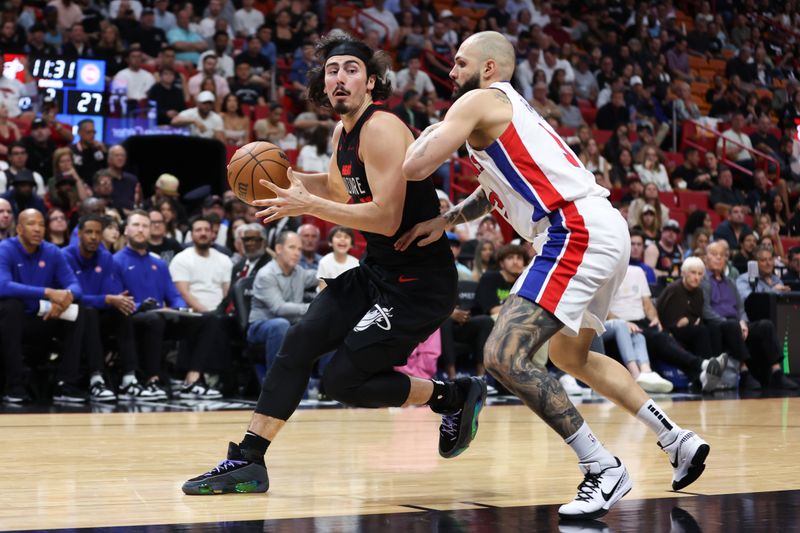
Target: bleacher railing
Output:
{"points": [[760, 158]]}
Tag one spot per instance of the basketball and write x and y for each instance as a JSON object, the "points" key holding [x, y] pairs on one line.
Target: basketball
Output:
{"points": [[253, 162]]}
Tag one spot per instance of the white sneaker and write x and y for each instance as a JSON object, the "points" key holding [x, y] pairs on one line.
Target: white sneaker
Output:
{"points": [[199, 391], [98, 392], [652, 382], [570, 386], [687, 454], [600, 489]]}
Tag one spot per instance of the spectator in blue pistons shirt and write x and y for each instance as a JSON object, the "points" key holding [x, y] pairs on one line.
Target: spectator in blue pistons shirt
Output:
{"points": [[106, 309], [32, 270], [147, 279]]}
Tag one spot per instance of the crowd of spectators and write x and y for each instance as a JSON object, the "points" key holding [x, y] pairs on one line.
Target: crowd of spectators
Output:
{"points": [[656, 99]]}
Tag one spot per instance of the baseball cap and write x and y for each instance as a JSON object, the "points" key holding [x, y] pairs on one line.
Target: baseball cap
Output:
{"points": [[648, 208], [445, 13], [38, 123], [212, 201], [673, 225], [23, 176], [636, 80], [205, 96], [168, 184]]}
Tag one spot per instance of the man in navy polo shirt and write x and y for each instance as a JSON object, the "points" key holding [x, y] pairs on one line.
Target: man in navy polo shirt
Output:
{"points": [[106, 308], [147, 279], [32, 270]]}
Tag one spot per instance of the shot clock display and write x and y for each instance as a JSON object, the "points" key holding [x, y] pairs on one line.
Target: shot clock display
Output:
{"points": [[77, 86]]}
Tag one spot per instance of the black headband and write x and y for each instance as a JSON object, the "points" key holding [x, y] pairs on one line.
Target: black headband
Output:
{"points": [[360, 51]]}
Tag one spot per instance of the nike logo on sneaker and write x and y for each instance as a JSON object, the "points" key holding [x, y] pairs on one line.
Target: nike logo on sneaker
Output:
{"points": [[403, 279], [607, 495]]}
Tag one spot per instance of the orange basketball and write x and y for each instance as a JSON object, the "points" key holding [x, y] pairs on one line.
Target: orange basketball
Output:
{"points": [[253, 162]]}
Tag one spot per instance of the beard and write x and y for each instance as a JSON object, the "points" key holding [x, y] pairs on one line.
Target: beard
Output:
{"points": [[472, 83], [202, 246], [341, 108]]}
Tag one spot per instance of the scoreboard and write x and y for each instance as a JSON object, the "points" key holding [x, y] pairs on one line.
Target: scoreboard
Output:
{"points": [[76, 85]]}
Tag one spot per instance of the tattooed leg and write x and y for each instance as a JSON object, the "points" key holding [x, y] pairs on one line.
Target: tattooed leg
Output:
{"points": [[521, 329]]}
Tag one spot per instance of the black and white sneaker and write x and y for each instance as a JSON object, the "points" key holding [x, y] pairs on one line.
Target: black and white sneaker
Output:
{"points": [[98, 392], [135, 391], [65, 392], [600, 489], [236, 474], [687, 454], [458, 429], [155, 390], [199, 391], [16, 396]]}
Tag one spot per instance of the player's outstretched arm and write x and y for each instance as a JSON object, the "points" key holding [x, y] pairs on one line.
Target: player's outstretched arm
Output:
{"points": [[474, 206], [435, 145]]}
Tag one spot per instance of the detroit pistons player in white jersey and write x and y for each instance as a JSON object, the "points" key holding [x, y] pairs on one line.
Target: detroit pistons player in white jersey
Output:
{"points": [[532, 179]]}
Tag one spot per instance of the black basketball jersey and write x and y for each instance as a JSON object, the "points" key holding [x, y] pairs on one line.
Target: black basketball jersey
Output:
{"points": [[421, 204]]}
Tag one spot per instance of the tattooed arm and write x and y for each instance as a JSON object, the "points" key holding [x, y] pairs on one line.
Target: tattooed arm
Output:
{"points": [[474, 206], [438, 142]]}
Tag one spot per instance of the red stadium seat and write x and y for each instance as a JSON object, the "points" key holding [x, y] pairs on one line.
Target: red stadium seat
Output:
{"points": [[292, 155], [602, 136], [789, 243], [230, 149], [668, 199], [589, 114], [691, 200]]}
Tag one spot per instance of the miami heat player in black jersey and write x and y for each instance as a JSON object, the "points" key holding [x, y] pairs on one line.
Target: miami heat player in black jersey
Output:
{"points": [[371, 317]]}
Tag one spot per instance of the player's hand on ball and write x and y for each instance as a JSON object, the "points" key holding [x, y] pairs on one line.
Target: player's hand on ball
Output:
{"points": [[431, 230], [296, 200]]}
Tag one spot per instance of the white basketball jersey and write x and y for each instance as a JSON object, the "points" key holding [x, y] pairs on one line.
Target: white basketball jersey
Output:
{"points": [[529, 172]]}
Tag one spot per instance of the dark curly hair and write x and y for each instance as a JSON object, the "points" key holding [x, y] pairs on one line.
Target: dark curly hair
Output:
{"points": [[377, 65]]}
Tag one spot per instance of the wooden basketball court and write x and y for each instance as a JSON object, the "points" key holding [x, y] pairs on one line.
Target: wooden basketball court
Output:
{"points": [[352, 465]]}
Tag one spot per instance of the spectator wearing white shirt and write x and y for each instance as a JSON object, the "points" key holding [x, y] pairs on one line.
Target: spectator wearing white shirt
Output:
{"points": [[379, 19], [738, 149], [202, 120], [525, 71], [247, 19], [208, 26], [134, 80], [201, 274], [412, 77], [339, 260], [313, 157], [115, 5], [549, 62]]}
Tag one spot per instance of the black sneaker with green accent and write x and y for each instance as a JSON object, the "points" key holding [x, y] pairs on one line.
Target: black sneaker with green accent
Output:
{"points": [[459, 428], [236, 474]]}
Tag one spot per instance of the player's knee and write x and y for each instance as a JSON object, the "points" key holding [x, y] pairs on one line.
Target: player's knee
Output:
{"points": [[340, 387]]}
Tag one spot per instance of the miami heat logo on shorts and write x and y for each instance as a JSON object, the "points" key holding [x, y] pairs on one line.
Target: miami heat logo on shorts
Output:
{"points": [[378, 316]]}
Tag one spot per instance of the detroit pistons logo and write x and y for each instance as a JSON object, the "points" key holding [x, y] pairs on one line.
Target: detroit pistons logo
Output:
{"points": [[377, 316], [497, 203]]}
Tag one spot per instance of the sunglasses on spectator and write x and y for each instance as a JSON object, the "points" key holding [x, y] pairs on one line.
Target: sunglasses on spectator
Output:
{"points": [[251, 239]]}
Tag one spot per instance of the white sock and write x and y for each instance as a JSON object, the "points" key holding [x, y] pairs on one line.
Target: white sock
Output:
{"points": [[652, 416], [96, 378], [127, 379], [588, 448]]}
